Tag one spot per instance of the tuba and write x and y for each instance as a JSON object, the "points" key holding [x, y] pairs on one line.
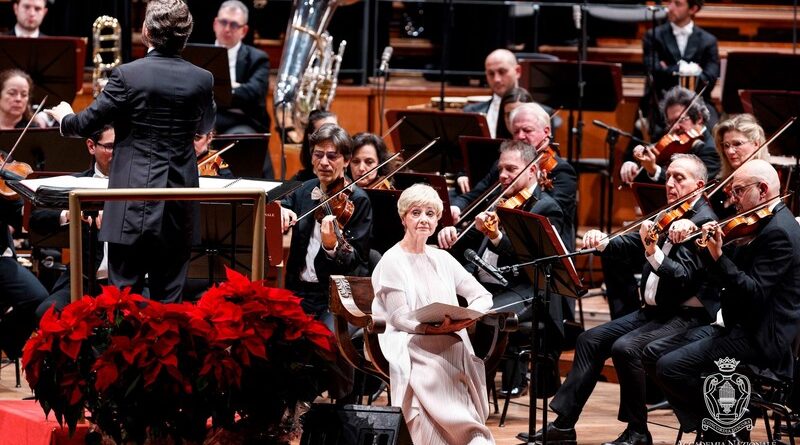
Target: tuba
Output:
{"points": [[106, 36], [307, 77]]}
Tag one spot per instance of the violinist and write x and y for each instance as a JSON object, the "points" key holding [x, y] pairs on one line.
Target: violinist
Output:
{"points": [[495, 249], [316, 119], [15, 108], [689, 135], [674, 300], [48, 221], [369, 150], [316, 252], [760, 300]]}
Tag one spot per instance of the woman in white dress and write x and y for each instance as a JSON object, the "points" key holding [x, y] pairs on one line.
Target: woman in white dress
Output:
{"points": [[436, 378]]}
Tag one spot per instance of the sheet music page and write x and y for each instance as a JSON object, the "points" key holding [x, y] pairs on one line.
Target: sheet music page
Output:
{"points": [[561, 243], [66, 181], [236, 184], [435, 312]]}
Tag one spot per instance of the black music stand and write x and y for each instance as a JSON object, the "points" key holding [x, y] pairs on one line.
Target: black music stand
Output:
{"points": [[54, 63], [249, 158], [757, 71], [214, 59], [479, 154], [649, 197], [422, 126], [546, 262], [45, 149]]}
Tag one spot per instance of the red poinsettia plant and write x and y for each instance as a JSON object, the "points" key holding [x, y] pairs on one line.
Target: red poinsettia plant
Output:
{"points": [[243, 356]]}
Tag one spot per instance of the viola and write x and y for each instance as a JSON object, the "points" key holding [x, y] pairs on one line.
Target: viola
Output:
{"points": [[673, 143], [743, 225], [12, 171], [340, 206]]}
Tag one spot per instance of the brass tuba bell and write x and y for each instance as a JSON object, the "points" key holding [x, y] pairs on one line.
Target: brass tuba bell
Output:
{"points": [[106, 34]]}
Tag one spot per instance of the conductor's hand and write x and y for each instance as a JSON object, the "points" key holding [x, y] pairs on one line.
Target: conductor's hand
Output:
{"points": [[288, 218], [447, 237], [59, 111], [447, 326], [628, 172], [328, 232], [680, 229], [463, 183], [595, 239]]}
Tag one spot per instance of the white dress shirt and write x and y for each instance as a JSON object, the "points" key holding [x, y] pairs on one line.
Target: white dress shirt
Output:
{"points": [[233, 53], [682, 34], [19, 32], [493, 114]]}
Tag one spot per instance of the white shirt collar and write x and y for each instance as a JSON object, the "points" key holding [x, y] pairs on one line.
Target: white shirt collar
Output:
{"points": [[685, 30], [23, 33], [98, 173]]}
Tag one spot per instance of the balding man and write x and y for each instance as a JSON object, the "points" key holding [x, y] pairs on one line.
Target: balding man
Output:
{"points": [[760, 301], [502, 74]]}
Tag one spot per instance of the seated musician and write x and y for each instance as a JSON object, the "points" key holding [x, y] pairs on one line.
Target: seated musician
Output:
{"points": [[436, 378], [369, 151], [502, 75], [760, 300], [675, 300], [675, 102], [316, 250], [44, 221], [496, 249], [29, 14], [531, 123], [15, 107]]}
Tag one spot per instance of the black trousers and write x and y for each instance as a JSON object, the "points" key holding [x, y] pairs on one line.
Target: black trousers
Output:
{"points": [[622, 288], [164, 261], [679, 362], [21, 291], [623, 340]]}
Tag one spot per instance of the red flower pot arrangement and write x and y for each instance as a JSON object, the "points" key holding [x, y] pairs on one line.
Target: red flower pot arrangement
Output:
{"points": [[243, 356]]}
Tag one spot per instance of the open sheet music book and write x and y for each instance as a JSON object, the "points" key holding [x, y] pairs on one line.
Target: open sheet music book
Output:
{"points": [[435, 313]]}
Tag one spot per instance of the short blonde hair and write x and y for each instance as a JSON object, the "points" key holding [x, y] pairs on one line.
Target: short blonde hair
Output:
{"points": [[419, 195], [747, 125]]}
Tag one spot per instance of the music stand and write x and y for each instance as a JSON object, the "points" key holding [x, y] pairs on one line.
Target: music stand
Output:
{"points": [[649, 197], [214, 59], [757, 71], [772, 108], [45, 149], [479, 154], [422, 126], [545, 261], [54, 63], [249, 158]]}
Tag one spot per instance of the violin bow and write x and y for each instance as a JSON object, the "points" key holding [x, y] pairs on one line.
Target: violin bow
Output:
{"points": [[25, 130], [368, 172], [699, 230], [216, 155], [393, 127], [404, 164]]}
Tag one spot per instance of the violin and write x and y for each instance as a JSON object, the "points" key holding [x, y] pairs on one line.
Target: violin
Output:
{"points": [[743, 225], [546, 164], [666, 220], [673, 143], [12, 171], [210, 164], [513, 202], [340, 206]]}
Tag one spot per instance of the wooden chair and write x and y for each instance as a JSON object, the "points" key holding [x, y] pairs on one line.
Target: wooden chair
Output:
{"points": [[351, 302]]}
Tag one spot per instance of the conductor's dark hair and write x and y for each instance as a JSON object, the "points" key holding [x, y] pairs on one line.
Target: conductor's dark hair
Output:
{"points": [[698, 3], [169, 24], [336, 135], [682, 96]]}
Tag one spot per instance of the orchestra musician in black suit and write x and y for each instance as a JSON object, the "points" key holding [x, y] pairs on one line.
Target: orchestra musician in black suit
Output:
{"points": [[48, 221], [679, 46], [675, 299], [29, 14], [502, 75], [316, 252], [157, 104], [759, 303]]}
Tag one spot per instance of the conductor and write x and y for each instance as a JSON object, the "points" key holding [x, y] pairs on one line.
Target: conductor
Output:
{"points": [[157, 104]]}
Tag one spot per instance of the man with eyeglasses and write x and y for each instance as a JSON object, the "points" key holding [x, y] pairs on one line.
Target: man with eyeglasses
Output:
{"points": [[47, 221], [640, 164], [760, 300]]}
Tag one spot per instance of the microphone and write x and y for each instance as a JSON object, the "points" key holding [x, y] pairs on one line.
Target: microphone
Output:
{"points": [[473, 258], [385, 57], [576, 15]]}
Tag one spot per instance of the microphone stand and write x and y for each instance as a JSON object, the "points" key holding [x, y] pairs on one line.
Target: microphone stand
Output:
{"points": [[385, 76], [445, 51]]}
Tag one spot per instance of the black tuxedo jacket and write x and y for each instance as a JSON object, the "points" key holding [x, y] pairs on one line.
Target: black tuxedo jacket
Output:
{"points": [[681, 274], [761, 281], [157, 104], [701, 48], [249, 102], [704, 149], [356, 232], [564, 191]]}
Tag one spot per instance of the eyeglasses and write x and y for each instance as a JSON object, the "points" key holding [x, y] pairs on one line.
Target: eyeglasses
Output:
{"points": [[107, 146], [680, 121], [228, 23], [738, 191], [735, 144], [331, 155]]}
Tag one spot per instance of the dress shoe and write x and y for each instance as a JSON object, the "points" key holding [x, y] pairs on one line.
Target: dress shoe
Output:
{"points": [[555, 436], [517, 391], [630, 437]]}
